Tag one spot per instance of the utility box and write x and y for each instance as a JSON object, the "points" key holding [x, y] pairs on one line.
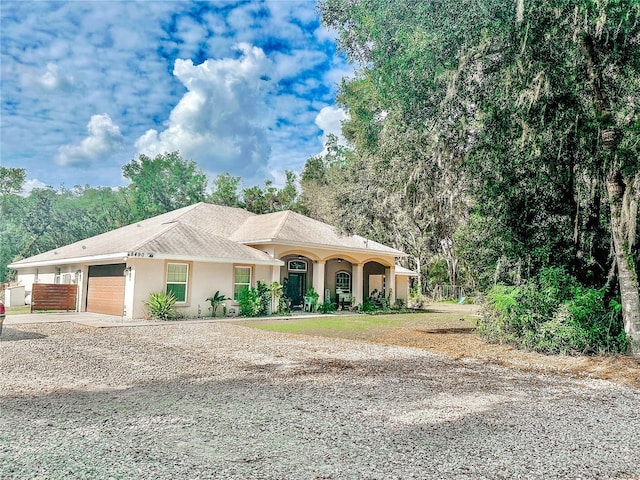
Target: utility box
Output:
{"points": [[14, 296]]}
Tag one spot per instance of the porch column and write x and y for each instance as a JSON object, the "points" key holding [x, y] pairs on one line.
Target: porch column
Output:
{"points": [[318, 279], [275, 273], [357, 278], [129, 292], [390, 275]]}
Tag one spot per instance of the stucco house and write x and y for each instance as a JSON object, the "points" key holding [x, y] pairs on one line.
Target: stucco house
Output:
{"points": [[200, 249]]}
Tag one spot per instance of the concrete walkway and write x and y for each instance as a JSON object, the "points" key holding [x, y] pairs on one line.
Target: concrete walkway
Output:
{"points": [[100, 320]]}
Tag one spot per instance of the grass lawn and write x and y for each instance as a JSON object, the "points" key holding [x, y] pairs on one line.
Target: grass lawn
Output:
{"points": [[440, 318], [21, 310]]}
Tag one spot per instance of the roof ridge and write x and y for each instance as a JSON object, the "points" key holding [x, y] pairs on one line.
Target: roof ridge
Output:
{"points": [[282, 222]]}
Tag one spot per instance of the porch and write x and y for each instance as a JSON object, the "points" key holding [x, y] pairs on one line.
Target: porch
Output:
{"points": [[341, 280]]}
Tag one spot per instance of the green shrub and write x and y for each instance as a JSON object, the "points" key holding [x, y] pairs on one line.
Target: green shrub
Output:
{"points": [[250, 303], [255, 302], [399, 304], [284, 306], [326, 306], [554, 314], [162, 306]]}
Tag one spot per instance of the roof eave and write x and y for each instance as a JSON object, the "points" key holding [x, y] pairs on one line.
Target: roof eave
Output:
{"points": [[396, 253], [245, 260], [71, 260]]}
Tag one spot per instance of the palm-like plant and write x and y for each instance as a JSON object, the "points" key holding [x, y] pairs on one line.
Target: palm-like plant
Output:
{"points": [[216, 300]]}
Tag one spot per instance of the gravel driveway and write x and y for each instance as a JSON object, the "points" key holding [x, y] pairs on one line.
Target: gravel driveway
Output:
{"points": [[217, 400]]}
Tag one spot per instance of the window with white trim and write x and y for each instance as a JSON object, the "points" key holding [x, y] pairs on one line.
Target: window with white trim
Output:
{"points": [[241, 281], [297, 266], [343, 281], [177, 280]]}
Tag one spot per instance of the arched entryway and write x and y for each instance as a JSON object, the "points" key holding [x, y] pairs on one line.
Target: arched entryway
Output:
{"points": [[339, 282], [295, 278], [375, 281]]}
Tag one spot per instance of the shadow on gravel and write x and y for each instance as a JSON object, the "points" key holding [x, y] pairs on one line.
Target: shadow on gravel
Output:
{"points": [[394, 419], [10, 334]]}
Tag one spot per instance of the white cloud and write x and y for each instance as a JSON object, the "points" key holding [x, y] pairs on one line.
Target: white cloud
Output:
{"points": [[52, 80], [221, 122], [104, 139], [329, 120], [247, 114], [30, 185]]}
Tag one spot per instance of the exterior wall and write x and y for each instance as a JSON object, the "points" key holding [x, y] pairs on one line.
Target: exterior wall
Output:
{"points": [[204, 280], [402, 287], [262, 273], [207, 279], [28, 276], [376, 282], [332, 268]]}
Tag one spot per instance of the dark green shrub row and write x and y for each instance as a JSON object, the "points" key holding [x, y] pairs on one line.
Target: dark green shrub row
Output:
{"points": [[554, 313]]}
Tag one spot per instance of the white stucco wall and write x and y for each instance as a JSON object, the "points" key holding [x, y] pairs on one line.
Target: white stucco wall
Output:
{"points": [[204, 280], [402, 287]]}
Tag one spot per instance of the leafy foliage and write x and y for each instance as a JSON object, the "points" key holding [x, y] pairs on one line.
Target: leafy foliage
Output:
{"points": [[161, 305], [526, 120], [216, 300], [164, 183], [254, 302], [554, 314]]}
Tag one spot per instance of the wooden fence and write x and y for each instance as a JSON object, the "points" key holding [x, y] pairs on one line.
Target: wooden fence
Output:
{"points": [[51, 296]]}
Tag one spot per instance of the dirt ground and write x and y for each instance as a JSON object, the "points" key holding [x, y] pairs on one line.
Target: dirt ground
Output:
{"points": [[622, 369]]}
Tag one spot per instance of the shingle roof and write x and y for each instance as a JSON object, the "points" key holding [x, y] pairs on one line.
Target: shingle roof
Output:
{"points": [[405, 272], [179, 239], [207, 231], [293, 228], [197, 230]]}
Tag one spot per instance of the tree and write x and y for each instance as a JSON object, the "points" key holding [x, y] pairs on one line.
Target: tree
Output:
{"points": [[319, 179], [164, 183], [226, 191], [11, 180], [536, 109], [11, 209], [271, 199], [49, 218]]}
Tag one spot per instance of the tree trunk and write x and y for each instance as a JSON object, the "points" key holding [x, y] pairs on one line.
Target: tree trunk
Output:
{"points": [[627, 276]]}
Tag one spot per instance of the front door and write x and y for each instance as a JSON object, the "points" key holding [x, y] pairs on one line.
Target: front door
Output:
{"points": [[295, 288]]}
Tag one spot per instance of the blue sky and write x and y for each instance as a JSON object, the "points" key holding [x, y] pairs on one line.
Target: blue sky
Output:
{"points": [[244, 87]]}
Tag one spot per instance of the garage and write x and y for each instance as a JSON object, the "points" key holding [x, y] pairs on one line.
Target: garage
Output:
{"points": [[105, 289]]}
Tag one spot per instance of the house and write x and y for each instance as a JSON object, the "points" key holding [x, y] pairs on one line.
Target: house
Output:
{"points": [[200, 249]]}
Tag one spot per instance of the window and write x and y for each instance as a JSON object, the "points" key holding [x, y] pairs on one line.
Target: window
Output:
{"points": [[241, 281], [343, 282], [177, 276], [343, 287], [297, 265]]}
